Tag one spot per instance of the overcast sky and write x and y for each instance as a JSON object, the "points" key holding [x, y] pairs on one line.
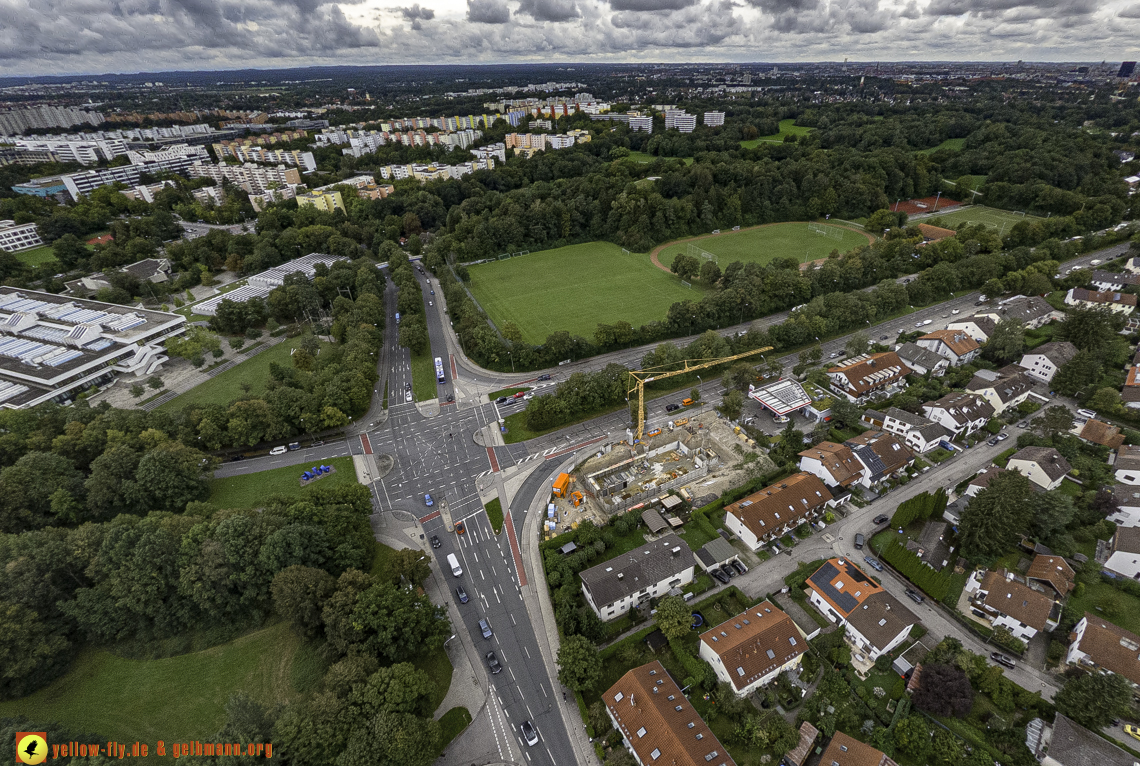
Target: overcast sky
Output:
{"points": [[94, 36]]}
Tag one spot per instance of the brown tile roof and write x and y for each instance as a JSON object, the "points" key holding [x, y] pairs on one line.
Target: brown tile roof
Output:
{"points": [[880, 618], [1112, 647], [889, 449], [774, 507], [1050, 460], [1103, 296], [848, 751], [755, 642], [934, 233], [797, 755], [984, 478], [839, 461], [868, 372], [1016, 599], [958, 341], [1126, 540], [843, 585], [1102, 433], [1131, 379], [645, 703], [1055, 571]]}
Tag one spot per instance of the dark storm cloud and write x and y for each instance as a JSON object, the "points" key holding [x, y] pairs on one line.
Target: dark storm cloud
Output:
{"points": [[416, 12], [777, 7], [650, 5], [1054, 9], [488, 12], [550, 10]]}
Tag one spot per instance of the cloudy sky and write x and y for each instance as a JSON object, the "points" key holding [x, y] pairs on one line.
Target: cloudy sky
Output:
{"points": [[94, 36]]}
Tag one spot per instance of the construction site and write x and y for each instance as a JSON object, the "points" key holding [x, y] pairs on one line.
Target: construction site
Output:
{"points": [[684, 465]]}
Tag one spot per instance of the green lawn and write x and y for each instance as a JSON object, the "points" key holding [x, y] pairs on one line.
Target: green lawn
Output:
{"points": [[643, 157], [251, 489], [990, 216], [953, 144], [762, 244], [453, 722], [174, 699], [423, 377], [787, 127], [574, 288], [495, 514], [36, 255], [225, 388], [1105, 601]]}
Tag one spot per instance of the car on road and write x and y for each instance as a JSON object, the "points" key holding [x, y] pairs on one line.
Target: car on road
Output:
{"points": [[1002, 437], [956, 311], [451, 398], [882, 518], [493, 663], [1094, 262], [671, 407], [519, 394], [1001, 659], [739, 566], [859, 541], [459, 528], [318, 443], [992, 442], [432, 292], [279, 450], [528, 396], [461, 594], [1132, 731], [407, 396], [918, 324], [1023, 424], [883, 337], [719, 575], [528, 732], [501, 400], [874, 563], [544, 377], [431, 303], [833, 354], [485, 628], [927, 321], [428, 501], [236, 458], [294, 446], [435, 543], [915, 596]]}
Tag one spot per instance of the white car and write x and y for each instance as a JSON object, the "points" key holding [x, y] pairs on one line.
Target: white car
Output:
{"points": [[1095, 262], [528, 396], [278, 450], [407, 396], [956, 311]]}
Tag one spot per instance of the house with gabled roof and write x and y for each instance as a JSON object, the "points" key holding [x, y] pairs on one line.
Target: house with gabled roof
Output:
{"points": [[1032, 311], [848, 751], [1002, 391], [960, 413], [778, 509], [866, 374], [923, 360], [657, 722], [1007, 601], [1066, 743], [1043, 362], [1126, 469], [982, 480], [613, 587], [843, 593], [1127, 499], [956, 345], [749, 650], [834, 463], [1097, 432], [1097, 643], [1044, 466], [918, 433], [1114, 301], [980, 326], [882, 454], [1053, 572], [1124, 553], [1113, 281]]}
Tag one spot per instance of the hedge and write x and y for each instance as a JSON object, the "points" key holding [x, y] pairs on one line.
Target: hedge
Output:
{"points": [[910, 566], [920, 508], [699, 670]]}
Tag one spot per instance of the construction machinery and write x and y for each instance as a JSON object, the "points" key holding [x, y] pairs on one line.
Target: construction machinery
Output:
{"points": [[648, 376]]}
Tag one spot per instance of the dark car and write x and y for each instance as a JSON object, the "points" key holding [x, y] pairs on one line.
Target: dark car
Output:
{"points": [[493, 663], [501, 400], [529, 734], [1001, 659], [873, 563], [882, 518], [671, 407], [435, 543], [236, 458], [462, 594], [432, 292], [992, 442], [544, 377], [882, 337], [915, 596], [859, 540], [739, 567], [728, 570], [451, 397], [719, 575], [485, 628]]}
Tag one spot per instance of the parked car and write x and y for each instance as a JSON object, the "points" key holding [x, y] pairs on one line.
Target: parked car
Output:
{"points": [[1023, 424], [544, 377], [915, 596], [435, 543], [874, 563], [279, 450], [918, 324], [993, 442], [728, 570], [1002, 437], [1132, 731], [956, 311], [859, 541], [519, 394], [236, 458], [719, 575], [529, 734], [738, 565], [428, 501], [485, 628], [294, 446], [833, 354], [501, 400], [493, 663], [882, 337], [318, 443], [407, 396], [528, 396], [1001, 659], [461, 594], [671, 407], [882, 518]]}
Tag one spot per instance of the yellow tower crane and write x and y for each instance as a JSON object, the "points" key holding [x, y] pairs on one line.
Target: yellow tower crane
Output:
{"points": [[648, 376]]}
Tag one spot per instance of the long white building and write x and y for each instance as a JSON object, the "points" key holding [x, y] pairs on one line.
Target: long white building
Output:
{"points": [[16, 237], [255, 179], [19, 120], [260, 285]]}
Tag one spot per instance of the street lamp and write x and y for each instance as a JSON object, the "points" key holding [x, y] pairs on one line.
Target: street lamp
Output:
{"points": [[742, 313]]}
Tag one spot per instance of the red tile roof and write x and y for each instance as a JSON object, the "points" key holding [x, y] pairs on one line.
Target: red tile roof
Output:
{"points": [[755, 642], [774, 507]]}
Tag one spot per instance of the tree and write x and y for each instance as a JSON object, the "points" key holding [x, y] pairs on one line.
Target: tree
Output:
{"points": [[695, 394], [393, 739], [996, 517], [154, 382], [578, 665], [782, 737], [846, 413], [857, 344], [1053, 513], [912, 736], [409, 565], [170, 476], [413, 333], [943, 690], [1054, 420], [1007, 342], [30, 652], [732, 404], [1094, 700], [710, 273], [1106, 401], [674, 617], [27, 486], [1081, 371], [1089, 328], [137, 390], [400, 688], [685, 266], [299, 595], [396, 624]]}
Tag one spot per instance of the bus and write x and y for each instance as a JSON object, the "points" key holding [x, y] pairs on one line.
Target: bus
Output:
{"points": [[439, 376]]}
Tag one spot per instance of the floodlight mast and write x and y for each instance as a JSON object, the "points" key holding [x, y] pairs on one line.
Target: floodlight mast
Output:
{"points": [[689, 367]]}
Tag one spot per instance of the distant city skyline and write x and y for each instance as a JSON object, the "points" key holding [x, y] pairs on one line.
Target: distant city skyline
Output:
{"points": [[44, 37]]}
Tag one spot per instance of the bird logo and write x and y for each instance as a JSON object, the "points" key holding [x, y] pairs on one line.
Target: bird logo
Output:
{"points": [[31, 747]]}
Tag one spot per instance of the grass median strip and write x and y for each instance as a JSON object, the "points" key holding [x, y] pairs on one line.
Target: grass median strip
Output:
{"points": [[423, 377], [250, 490], [495, 514]]}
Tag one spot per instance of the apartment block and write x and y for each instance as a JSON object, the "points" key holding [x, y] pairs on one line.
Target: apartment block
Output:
{"points": [[255, 179], [327, 201], [714, 119], [16, 237]]}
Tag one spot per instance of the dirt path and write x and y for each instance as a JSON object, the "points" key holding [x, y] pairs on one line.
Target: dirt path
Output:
{"points": [[657, 250]]}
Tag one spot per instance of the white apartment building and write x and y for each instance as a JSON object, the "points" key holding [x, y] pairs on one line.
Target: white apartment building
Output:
{"points": [[303, 160], [613, 587], [78, 149], [17, 121], [498, 150], [255, 179], [641, 123], [714, 119], [173, 159], [87, 181], [16, 237], [146, 193]]}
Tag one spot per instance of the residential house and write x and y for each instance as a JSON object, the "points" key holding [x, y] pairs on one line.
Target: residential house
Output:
{"points": [[1043, 362], [1117, 302], [876, 621], [956, 345], [1097, 432], [1113, 282], [931, 547], [1127, 465], [749, 650], [1044, 466], [923, 360], [1127, 499], [658, 723], [873, 418], [980, 326], [775, 511], [1053, 572], [918, 433], [882, 454], [834, 463], [959, 413], [1066, 743], [1099, 644], [1007, 601], [1032, 311], [1130, 394], [982, 480], [154, 270], [1124, 553], [866, 374], [1002, 391], [848, 751], [613, 587]]}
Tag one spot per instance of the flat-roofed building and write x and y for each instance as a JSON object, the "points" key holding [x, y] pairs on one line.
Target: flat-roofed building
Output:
{"points": [[15, 237]]}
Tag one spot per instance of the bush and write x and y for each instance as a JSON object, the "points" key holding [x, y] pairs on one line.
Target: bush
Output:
{"points": [[935, 584], [920, 508]]}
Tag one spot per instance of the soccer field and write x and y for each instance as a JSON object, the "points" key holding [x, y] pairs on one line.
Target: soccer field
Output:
{"points": [[763, 243], [990, 216], [575, 288]]}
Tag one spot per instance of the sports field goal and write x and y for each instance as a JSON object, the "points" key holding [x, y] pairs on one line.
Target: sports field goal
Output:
{"points": [[826, 231], [502, 256], [624, 251], [687, 284], [698, 252]]}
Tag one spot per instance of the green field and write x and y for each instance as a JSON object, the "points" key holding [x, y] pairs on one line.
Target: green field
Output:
{"points": [[763, 243], [787, 127], [953, 144], [574, 288], [990, 216], [36, 255], [175, 699], [424, 385], [643, 157], [223, 389], [250, 490]]}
